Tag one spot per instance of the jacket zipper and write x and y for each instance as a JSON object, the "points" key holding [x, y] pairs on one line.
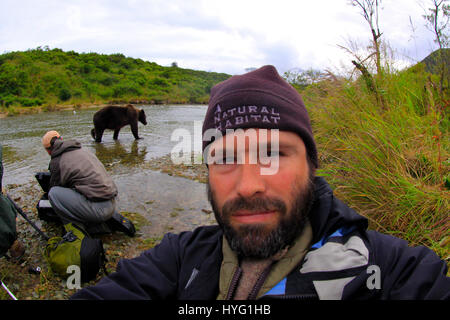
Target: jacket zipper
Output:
{"points": [[234, 281], [259, 283]]}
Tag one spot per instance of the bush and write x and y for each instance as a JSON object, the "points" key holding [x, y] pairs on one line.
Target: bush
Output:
{"points": [[23, 101], [106, 80], [64, 94], [86, 68], [106, 93], [159, 82], [13, 79], [7, 100], [38, 92], [124, 89], [78, 93], [29, 102]]}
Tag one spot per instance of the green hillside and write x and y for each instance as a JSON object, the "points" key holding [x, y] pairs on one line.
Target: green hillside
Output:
{"points": [[434, 61], [48, 77]]}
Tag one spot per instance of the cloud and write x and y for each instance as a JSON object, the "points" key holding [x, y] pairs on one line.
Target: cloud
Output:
{"points": [[224, 36]]}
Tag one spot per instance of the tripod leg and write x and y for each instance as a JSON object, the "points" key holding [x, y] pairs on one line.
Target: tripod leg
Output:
{"points": [[27, 219], [7, 290]]}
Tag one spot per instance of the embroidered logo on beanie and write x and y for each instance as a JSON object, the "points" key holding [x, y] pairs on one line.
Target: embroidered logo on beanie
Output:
{"points": [[241, 115]]}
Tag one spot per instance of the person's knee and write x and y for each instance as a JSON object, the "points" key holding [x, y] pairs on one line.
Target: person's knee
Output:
{"points": [[105, 210], [54, 191], [53, 195], [56, 197]]}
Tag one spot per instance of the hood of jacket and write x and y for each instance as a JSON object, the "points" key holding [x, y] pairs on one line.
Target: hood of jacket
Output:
{"points": [[61, 146]]}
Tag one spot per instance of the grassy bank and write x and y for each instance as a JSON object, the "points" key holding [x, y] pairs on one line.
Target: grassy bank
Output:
{"points": [[390, 160]]}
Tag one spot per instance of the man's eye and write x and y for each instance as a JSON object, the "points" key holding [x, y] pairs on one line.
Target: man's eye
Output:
{"points": [[274, 153]]}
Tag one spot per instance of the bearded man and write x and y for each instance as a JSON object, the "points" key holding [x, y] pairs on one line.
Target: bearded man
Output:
{"points": [[281, 233]]}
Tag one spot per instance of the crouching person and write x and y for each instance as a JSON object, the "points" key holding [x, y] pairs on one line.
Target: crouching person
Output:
{"points": [[81, 191]]}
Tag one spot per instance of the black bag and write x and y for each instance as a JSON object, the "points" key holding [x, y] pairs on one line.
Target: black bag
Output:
{"points": [[44, 180], [44, 208]]}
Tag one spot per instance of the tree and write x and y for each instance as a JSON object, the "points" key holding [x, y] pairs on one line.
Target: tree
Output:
{"points": [[370, 12], [303, 78], [438, 20]]}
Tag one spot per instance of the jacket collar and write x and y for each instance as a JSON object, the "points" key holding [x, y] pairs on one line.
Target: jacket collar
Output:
{"points": [[280, 269], [329, 213]]}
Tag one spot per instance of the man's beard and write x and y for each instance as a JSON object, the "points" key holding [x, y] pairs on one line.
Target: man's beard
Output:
{"points": [[254, 240]]}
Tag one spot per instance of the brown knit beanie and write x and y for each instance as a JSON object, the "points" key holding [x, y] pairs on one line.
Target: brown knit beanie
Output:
{"points": [[259, 99]]}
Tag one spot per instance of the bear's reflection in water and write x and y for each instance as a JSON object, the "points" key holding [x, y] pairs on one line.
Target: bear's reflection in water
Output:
{"points": [[116, 152]]}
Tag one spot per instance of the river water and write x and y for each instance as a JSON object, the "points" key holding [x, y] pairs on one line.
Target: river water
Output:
{"points": [[168, 202]]}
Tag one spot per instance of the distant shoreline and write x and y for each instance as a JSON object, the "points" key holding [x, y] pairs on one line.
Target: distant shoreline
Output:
{"points": [[61, 107], [39, 109]]}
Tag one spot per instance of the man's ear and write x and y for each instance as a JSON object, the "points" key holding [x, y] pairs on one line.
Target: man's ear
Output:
{"points": [[52, 141]]}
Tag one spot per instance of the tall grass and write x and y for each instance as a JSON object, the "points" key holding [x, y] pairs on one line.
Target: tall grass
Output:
{"points": [[391, 163]]}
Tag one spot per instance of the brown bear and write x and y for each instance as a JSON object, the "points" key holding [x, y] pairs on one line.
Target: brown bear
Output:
{"points": [[116, 117]]}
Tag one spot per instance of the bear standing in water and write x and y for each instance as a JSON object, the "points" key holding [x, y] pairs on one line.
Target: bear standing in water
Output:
{"points": [[116, 117]]}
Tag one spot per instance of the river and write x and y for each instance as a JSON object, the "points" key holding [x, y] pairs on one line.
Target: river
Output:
{"points": [[169, 203]]}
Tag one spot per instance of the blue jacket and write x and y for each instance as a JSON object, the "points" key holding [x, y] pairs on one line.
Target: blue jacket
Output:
{"points": [[345, 261]]}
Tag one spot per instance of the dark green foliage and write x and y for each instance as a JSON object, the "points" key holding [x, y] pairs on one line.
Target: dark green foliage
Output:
{"points": [[64, 94], [13, 79], [42, 75], [13, 100], [435, 62], [159, 82], [432, 61], [126, 89]]}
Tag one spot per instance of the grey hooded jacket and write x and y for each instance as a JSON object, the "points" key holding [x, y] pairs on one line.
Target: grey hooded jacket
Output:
{"points": [[72, 166]]}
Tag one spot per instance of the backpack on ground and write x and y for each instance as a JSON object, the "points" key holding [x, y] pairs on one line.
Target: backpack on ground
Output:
{"points": [[44, 208], [75, 248]]}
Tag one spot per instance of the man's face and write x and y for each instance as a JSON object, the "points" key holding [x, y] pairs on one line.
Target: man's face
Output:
{"points": [[261, 214]]}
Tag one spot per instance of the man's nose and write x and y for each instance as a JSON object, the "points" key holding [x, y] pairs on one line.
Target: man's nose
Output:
{"points": [[250, 180]]}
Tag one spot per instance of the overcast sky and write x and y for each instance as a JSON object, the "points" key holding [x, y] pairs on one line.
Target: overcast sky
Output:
{"points": [[223, 36]]}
